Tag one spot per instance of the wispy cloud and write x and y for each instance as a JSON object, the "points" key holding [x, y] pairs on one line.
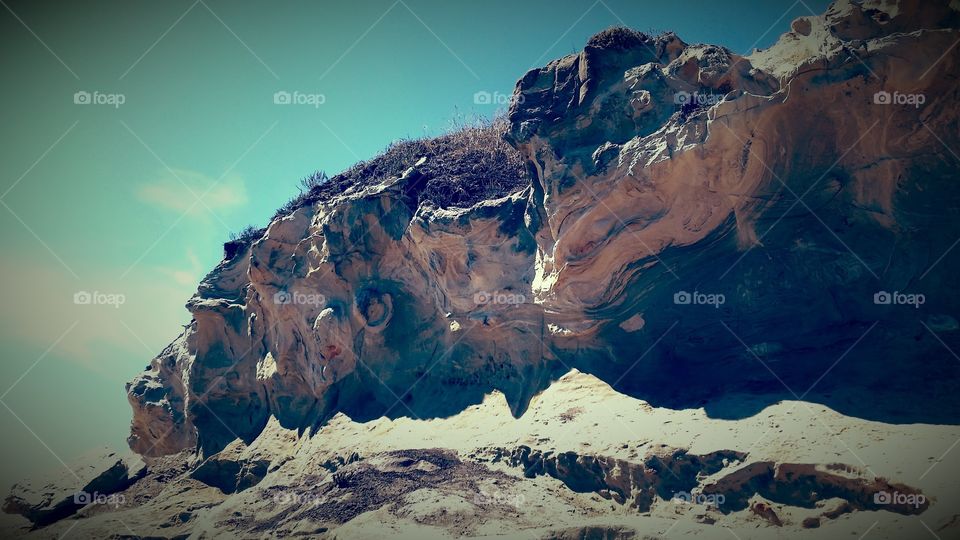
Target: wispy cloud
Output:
{"points": [[188, 277], [178, 190]]}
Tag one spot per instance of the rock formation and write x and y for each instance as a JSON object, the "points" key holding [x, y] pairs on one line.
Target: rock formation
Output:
{"points": [[695, 228]]}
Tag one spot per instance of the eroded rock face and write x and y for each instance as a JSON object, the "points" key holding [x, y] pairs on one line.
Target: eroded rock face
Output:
{"points": [[94, 479], [347, 305], [559, 471], [660, 169], [777, 183], [662, 474], [806, 484]]}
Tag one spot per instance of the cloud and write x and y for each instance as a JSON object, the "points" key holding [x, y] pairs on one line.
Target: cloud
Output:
{"points": [[188, 277], [178, 190]]}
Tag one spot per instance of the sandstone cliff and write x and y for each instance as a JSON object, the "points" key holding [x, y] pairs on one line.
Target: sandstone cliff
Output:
{"points": [[698, 229], [777, 182]]}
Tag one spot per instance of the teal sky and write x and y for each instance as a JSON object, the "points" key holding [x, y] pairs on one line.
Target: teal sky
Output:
{"points": [[103, 198]]}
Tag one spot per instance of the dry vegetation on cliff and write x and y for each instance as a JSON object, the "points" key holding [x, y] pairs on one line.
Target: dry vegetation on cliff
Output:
{"points": [[469, 164]]}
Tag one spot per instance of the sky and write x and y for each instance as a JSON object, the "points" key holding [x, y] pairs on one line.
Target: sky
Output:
{"points": [[138, 135]]}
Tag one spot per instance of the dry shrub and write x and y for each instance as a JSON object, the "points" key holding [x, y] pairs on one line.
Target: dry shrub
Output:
{"points": [[619, 38], [470, 163]]}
